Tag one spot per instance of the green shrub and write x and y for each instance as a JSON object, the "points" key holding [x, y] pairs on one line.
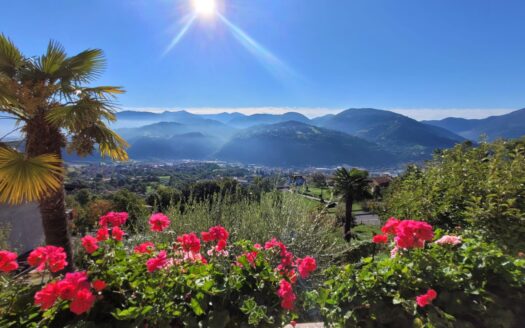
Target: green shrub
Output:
{"points": [[177, 281], [288, 217], [477, 286], [481, 188]]}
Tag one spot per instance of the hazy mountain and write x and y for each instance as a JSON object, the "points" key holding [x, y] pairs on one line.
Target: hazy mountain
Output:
{"points": [[299, 144], [511, 125], [196, 146], [156, 130], [127, 119], [169, 129], [223, 117], [260, 119], [403, 135], [319, 121]]}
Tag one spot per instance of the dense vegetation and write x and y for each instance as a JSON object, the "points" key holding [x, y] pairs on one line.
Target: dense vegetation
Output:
{"points": [[480, 188]]}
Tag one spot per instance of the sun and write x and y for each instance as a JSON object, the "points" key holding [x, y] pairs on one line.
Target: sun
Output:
{"points": [[205, 8]]}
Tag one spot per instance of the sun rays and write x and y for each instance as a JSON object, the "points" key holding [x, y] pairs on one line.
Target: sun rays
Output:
{"points": [[208, 9]]}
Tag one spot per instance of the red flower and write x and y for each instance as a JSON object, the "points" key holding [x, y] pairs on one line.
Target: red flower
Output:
{"points": [[82, 302], [54, 258], [90, 244], [206, 237], [8, 261], [102, 234], [157, 262], [275, 243], [47, 296], [286, 294], [190, 242], [250, 257], [113, 219], [427, 298], [257, 246], [117, 233], [71, 284], [144, 248], [219, 233], [390, 226], [99, 285], [380, 239], [413, 234], [306, 266], [221, 244], [159, 222], [286, 261]]}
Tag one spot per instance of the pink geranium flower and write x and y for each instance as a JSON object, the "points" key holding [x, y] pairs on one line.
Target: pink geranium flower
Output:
{"points": [[90, 244], [449, 240], [158, 262], [8, 261], [159, 222], [50, 257], [305, 266], [144, 248], [427, 298], [286, 294], [380, 239], [113, 219]]}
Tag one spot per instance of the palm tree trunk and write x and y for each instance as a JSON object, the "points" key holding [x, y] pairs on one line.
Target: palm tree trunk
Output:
{"points": [[348, 218], [42, 138]]}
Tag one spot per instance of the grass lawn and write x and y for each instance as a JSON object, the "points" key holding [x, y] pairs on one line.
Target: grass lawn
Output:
{"points": [[366, 232]]}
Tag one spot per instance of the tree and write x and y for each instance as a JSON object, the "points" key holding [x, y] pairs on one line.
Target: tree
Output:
{"points": [[319, 180], [83, 196], [351, 186], [127, 201], [48, 97]]}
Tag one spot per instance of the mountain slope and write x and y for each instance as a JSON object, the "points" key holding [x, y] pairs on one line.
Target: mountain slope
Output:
{"points": [[511, 125], [195, 146], [260, 119], [223, 117], [168, 129], [299, 144], [409, 138]]}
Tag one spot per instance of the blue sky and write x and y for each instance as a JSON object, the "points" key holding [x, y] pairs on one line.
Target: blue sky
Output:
{"points": [[429, 58]]}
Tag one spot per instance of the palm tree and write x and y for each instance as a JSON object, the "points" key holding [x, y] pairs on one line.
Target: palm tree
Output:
{"points": [[351, 186], [54, 108]]}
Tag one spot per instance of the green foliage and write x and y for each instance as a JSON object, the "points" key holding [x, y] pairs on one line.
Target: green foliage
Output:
{"points": [[127, 201], [481, 187], [351, 183], [227, 291], [288, 217], [16, 303], [477, 285]]}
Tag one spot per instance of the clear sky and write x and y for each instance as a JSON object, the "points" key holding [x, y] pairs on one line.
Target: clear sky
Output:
{"points": [[316, 56]]}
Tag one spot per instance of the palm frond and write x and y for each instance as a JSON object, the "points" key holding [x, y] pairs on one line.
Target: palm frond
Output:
{"points": [[10, 57], [51, 63], [110, 144], [106, 92], [25, 179], [81, 115], [84, 67]]}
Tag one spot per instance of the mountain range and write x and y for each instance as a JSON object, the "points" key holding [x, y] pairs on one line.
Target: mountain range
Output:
{"points": [[361, 136], [509, 126]]}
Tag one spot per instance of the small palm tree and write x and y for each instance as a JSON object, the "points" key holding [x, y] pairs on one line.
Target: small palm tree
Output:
{"points": [[351, 186], [53, 108]]}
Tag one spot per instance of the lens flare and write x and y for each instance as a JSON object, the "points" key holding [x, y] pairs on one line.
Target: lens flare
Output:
{"points": [[180, 35], [273, 64], [205, 8]]}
